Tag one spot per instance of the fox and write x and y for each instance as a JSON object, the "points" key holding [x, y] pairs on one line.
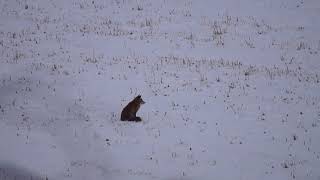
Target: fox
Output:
{"points": [[129, 112]]}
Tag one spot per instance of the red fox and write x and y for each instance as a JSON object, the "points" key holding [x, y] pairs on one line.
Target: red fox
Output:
{"points": [[129, 113]]}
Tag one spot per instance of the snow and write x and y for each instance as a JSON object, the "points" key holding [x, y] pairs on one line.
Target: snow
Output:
{"points": [[231, 89]]}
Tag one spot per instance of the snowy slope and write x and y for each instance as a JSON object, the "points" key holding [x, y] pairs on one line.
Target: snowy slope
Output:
{"points": [[232, 89]]}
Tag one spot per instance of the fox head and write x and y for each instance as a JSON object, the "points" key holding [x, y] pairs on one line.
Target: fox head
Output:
{"points": [[139, 100]]}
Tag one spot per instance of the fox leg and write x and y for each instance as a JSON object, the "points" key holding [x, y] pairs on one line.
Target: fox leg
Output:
{"points": [[136, 119]]}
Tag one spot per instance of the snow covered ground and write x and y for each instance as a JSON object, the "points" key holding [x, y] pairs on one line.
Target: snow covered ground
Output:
{"points": [[231, 87]]}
